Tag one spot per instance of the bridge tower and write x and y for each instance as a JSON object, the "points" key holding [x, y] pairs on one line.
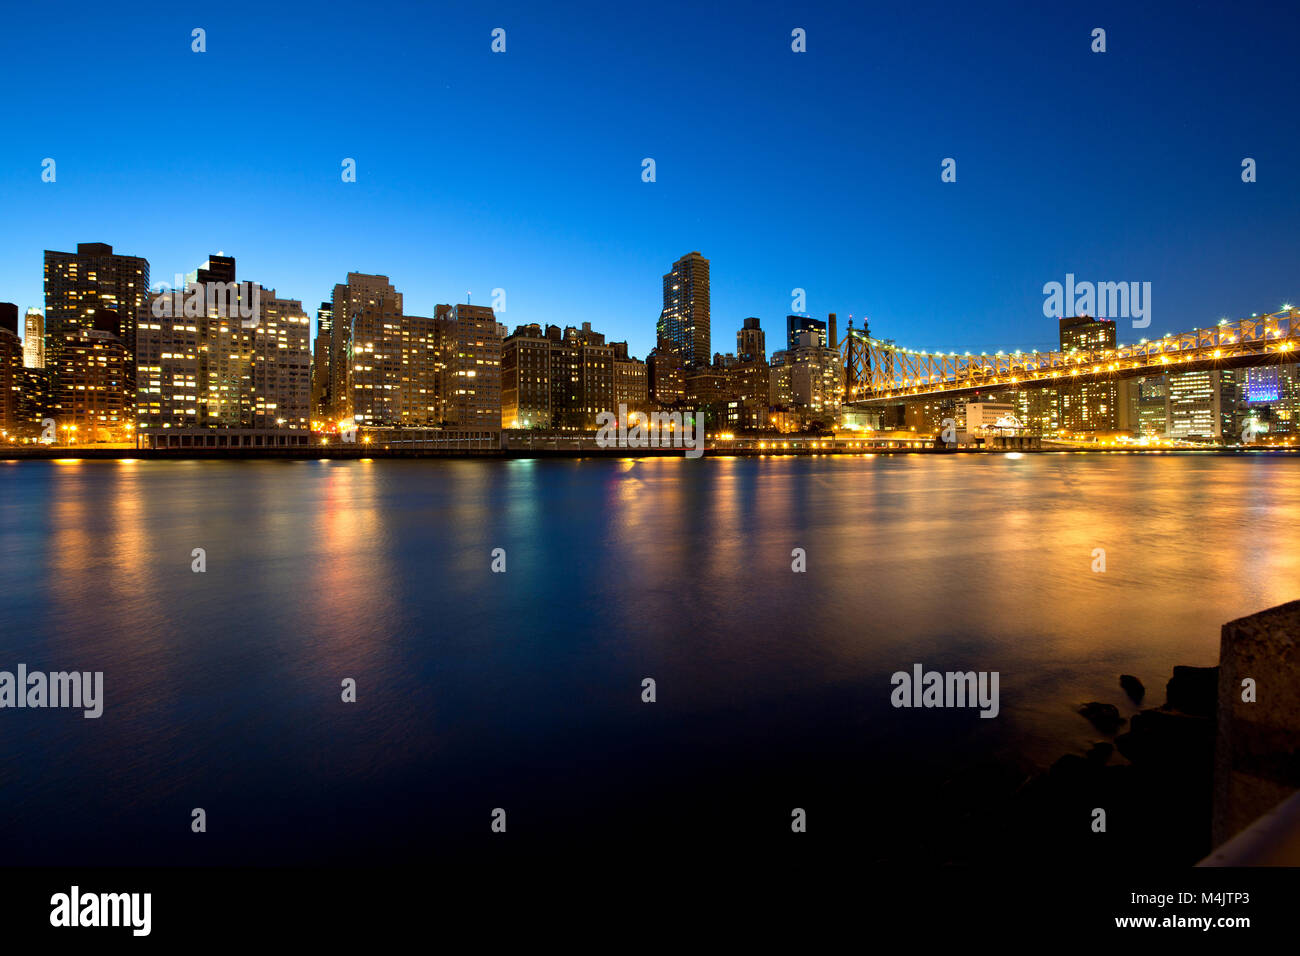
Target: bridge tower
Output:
{"points": [[856, 353]]}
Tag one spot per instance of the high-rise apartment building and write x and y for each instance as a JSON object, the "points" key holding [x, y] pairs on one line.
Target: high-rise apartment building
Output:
{"points": [[223, 353], [526, 378], [631, 381], [808, 377], [94, 279], [34, 402], [169, 345], [89, 393], [471, 393], [375, 367], [666, 376], [553, 378], [684, 321], [358, 292], [398, 363], [582, 377], [281, 367]]}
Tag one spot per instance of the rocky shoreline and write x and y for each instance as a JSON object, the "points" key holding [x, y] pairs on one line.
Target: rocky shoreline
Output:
{"points": [[1152, 776]]}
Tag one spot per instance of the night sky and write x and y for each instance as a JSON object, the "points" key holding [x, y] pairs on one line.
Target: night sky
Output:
{"points": [[817, 170]]}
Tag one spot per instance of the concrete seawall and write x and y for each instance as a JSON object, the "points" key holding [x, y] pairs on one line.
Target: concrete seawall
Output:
{"points": [[1257, 753]]}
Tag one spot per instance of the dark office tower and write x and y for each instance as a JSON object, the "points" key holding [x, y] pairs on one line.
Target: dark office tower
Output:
{"points": [[797, 324], [11, 370], [77, 284], [684, 321], [751, 342], [320, 359], [218, 269]]}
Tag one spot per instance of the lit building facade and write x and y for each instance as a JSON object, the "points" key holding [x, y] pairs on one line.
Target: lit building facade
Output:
{"points": [[34, 339], [221, 353], [1089, 406], [89, 387], [358, 292], [472, 385], [526, 378], [808, 378], [631, 381], [1201, 404], [94, 279]]}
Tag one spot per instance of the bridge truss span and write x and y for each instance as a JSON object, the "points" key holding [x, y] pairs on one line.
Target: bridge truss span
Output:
{"points": [[878, 372]]}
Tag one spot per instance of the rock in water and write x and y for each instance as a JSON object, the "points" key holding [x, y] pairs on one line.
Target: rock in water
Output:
{"points": [[1105, 717], [1133, 687], [1193, 690], [1170, 739], [1100, 752]]}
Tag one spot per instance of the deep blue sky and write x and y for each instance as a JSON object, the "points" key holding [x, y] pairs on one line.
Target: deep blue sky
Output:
{"points": [[817, 170]]}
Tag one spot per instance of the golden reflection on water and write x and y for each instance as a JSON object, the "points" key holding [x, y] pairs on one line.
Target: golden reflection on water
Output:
{"points": [[981, 562]]}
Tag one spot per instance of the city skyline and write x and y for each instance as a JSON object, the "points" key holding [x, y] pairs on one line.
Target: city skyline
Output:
{"points": [[525, 452], [786, 184]]}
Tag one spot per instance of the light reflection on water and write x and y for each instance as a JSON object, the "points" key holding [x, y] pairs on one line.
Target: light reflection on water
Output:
{"points": [[223, 688]]}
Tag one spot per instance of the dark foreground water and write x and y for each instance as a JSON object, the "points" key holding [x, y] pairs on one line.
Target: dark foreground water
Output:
{"points": [[522, 690]]}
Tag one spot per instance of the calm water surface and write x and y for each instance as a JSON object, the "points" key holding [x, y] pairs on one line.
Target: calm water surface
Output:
{"points": [[522, 690]]}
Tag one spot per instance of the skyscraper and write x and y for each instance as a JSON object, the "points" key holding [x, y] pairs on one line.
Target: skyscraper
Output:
{"points": [[94, 278], [684, 322], [34, 339], [1094, 406]]}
